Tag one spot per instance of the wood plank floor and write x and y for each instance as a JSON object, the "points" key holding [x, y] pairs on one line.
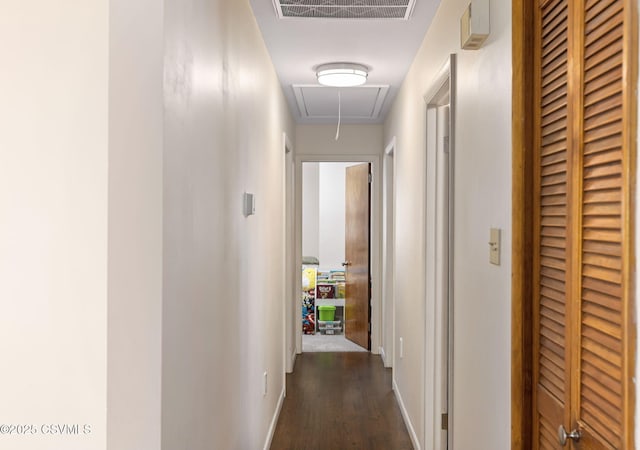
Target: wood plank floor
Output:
{"points": [[338, 401]]}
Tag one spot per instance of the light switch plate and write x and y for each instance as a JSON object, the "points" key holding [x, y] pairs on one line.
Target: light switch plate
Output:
{"points": [[494, 246], [249, 206]]}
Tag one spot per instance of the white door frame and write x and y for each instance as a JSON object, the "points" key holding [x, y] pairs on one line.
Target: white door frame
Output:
{"points": [[375, 255], [290, 256], [388, 249], [439, 265]]}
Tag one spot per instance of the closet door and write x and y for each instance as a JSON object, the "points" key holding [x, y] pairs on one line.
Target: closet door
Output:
{"points": [[551, 206], [599, 392], [582, 223]]}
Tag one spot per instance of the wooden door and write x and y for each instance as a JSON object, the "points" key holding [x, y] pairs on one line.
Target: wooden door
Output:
{"points": [[582, 352], [357, 290], [551, 223]]}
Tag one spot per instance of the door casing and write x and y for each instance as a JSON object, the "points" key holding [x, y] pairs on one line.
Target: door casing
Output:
{"points": [[290, 256], [376, 241], [439, 265], [388, 255]]}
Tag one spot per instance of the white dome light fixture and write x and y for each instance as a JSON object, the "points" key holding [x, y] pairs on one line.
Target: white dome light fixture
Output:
{"points": [[342, 74]]}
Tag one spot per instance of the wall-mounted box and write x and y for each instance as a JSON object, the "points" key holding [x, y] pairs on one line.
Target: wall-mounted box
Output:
{"points": [[474, 25]]}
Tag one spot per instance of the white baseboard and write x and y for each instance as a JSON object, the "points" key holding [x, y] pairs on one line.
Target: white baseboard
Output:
{"points": [[274, 421], [386, 363], [405, 416], [293, 361]]}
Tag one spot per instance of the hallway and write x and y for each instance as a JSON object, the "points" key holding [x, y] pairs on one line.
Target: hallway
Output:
{"points": [[151, 159], [340, 401]]}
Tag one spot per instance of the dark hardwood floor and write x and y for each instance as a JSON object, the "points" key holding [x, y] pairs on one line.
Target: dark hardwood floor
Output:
{"points": [[338, 401]]}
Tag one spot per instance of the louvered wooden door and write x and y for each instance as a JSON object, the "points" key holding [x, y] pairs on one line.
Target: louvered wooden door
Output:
{"points": [[551, 279], [581, 224]]}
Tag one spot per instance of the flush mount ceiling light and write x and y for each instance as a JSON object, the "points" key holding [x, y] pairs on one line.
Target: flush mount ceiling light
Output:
{"points": [[342, 74]]}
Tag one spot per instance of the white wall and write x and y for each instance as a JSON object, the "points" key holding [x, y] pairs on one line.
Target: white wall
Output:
{"points": [[223, 273], [53, 220], [482, 200], [319, 140], [135, 224]]}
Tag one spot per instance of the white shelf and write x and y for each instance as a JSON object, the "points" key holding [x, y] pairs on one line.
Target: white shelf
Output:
{"points": [[329, 302]]}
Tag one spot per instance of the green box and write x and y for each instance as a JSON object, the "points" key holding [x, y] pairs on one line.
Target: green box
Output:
{"points": [[327, 313]]}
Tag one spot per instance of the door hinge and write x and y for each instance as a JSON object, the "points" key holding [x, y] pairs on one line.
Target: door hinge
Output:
{"points": [[370, 178], [445, 142], [445, 422]]}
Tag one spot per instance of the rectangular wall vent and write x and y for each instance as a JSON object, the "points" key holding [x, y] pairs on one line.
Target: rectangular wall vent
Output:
{"points": [[345, 9]]}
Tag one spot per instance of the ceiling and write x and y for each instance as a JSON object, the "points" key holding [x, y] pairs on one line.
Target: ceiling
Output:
{"points": [[386, 46]]}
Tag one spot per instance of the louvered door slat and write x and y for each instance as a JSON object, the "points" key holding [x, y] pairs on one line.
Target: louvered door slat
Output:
{"points": [[601, 69], [599, 260], [603, 36], [555, 357], [607, 157], [604, 248], [555, 298], [598, 90], [547, 434], [593, 9]]}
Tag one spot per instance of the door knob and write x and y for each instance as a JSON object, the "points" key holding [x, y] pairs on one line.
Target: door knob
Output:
{"points": [[346, 263], [563, 435]]}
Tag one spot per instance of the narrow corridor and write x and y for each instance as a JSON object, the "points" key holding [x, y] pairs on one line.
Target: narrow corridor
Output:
{"points": [[340, 401]]}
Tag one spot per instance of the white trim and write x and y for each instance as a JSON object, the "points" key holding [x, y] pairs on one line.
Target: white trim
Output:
{"points": [[440, 79], [405, 416], [293, 356], [388, 249], [435, 314], [383, 356], [289, 252], [274, 421], [390, 149], [288, 146]]}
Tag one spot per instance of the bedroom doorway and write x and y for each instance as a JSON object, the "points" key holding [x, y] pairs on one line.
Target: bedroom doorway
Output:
{"points": [[336, 281]]}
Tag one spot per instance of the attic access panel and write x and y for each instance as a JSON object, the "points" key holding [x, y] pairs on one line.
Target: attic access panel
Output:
{"points": [[345, 9], [357, 103]]}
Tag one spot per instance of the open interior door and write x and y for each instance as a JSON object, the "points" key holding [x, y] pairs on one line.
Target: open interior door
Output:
{"points": [[357, 291]]}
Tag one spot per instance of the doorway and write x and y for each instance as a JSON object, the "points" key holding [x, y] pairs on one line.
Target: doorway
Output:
{"points": [[335, 291], [375, 247]]}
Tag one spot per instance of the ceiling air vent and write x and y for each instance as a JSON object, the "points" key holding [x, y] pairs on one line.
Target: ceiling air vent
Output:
{"points": [[345, 9]]}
